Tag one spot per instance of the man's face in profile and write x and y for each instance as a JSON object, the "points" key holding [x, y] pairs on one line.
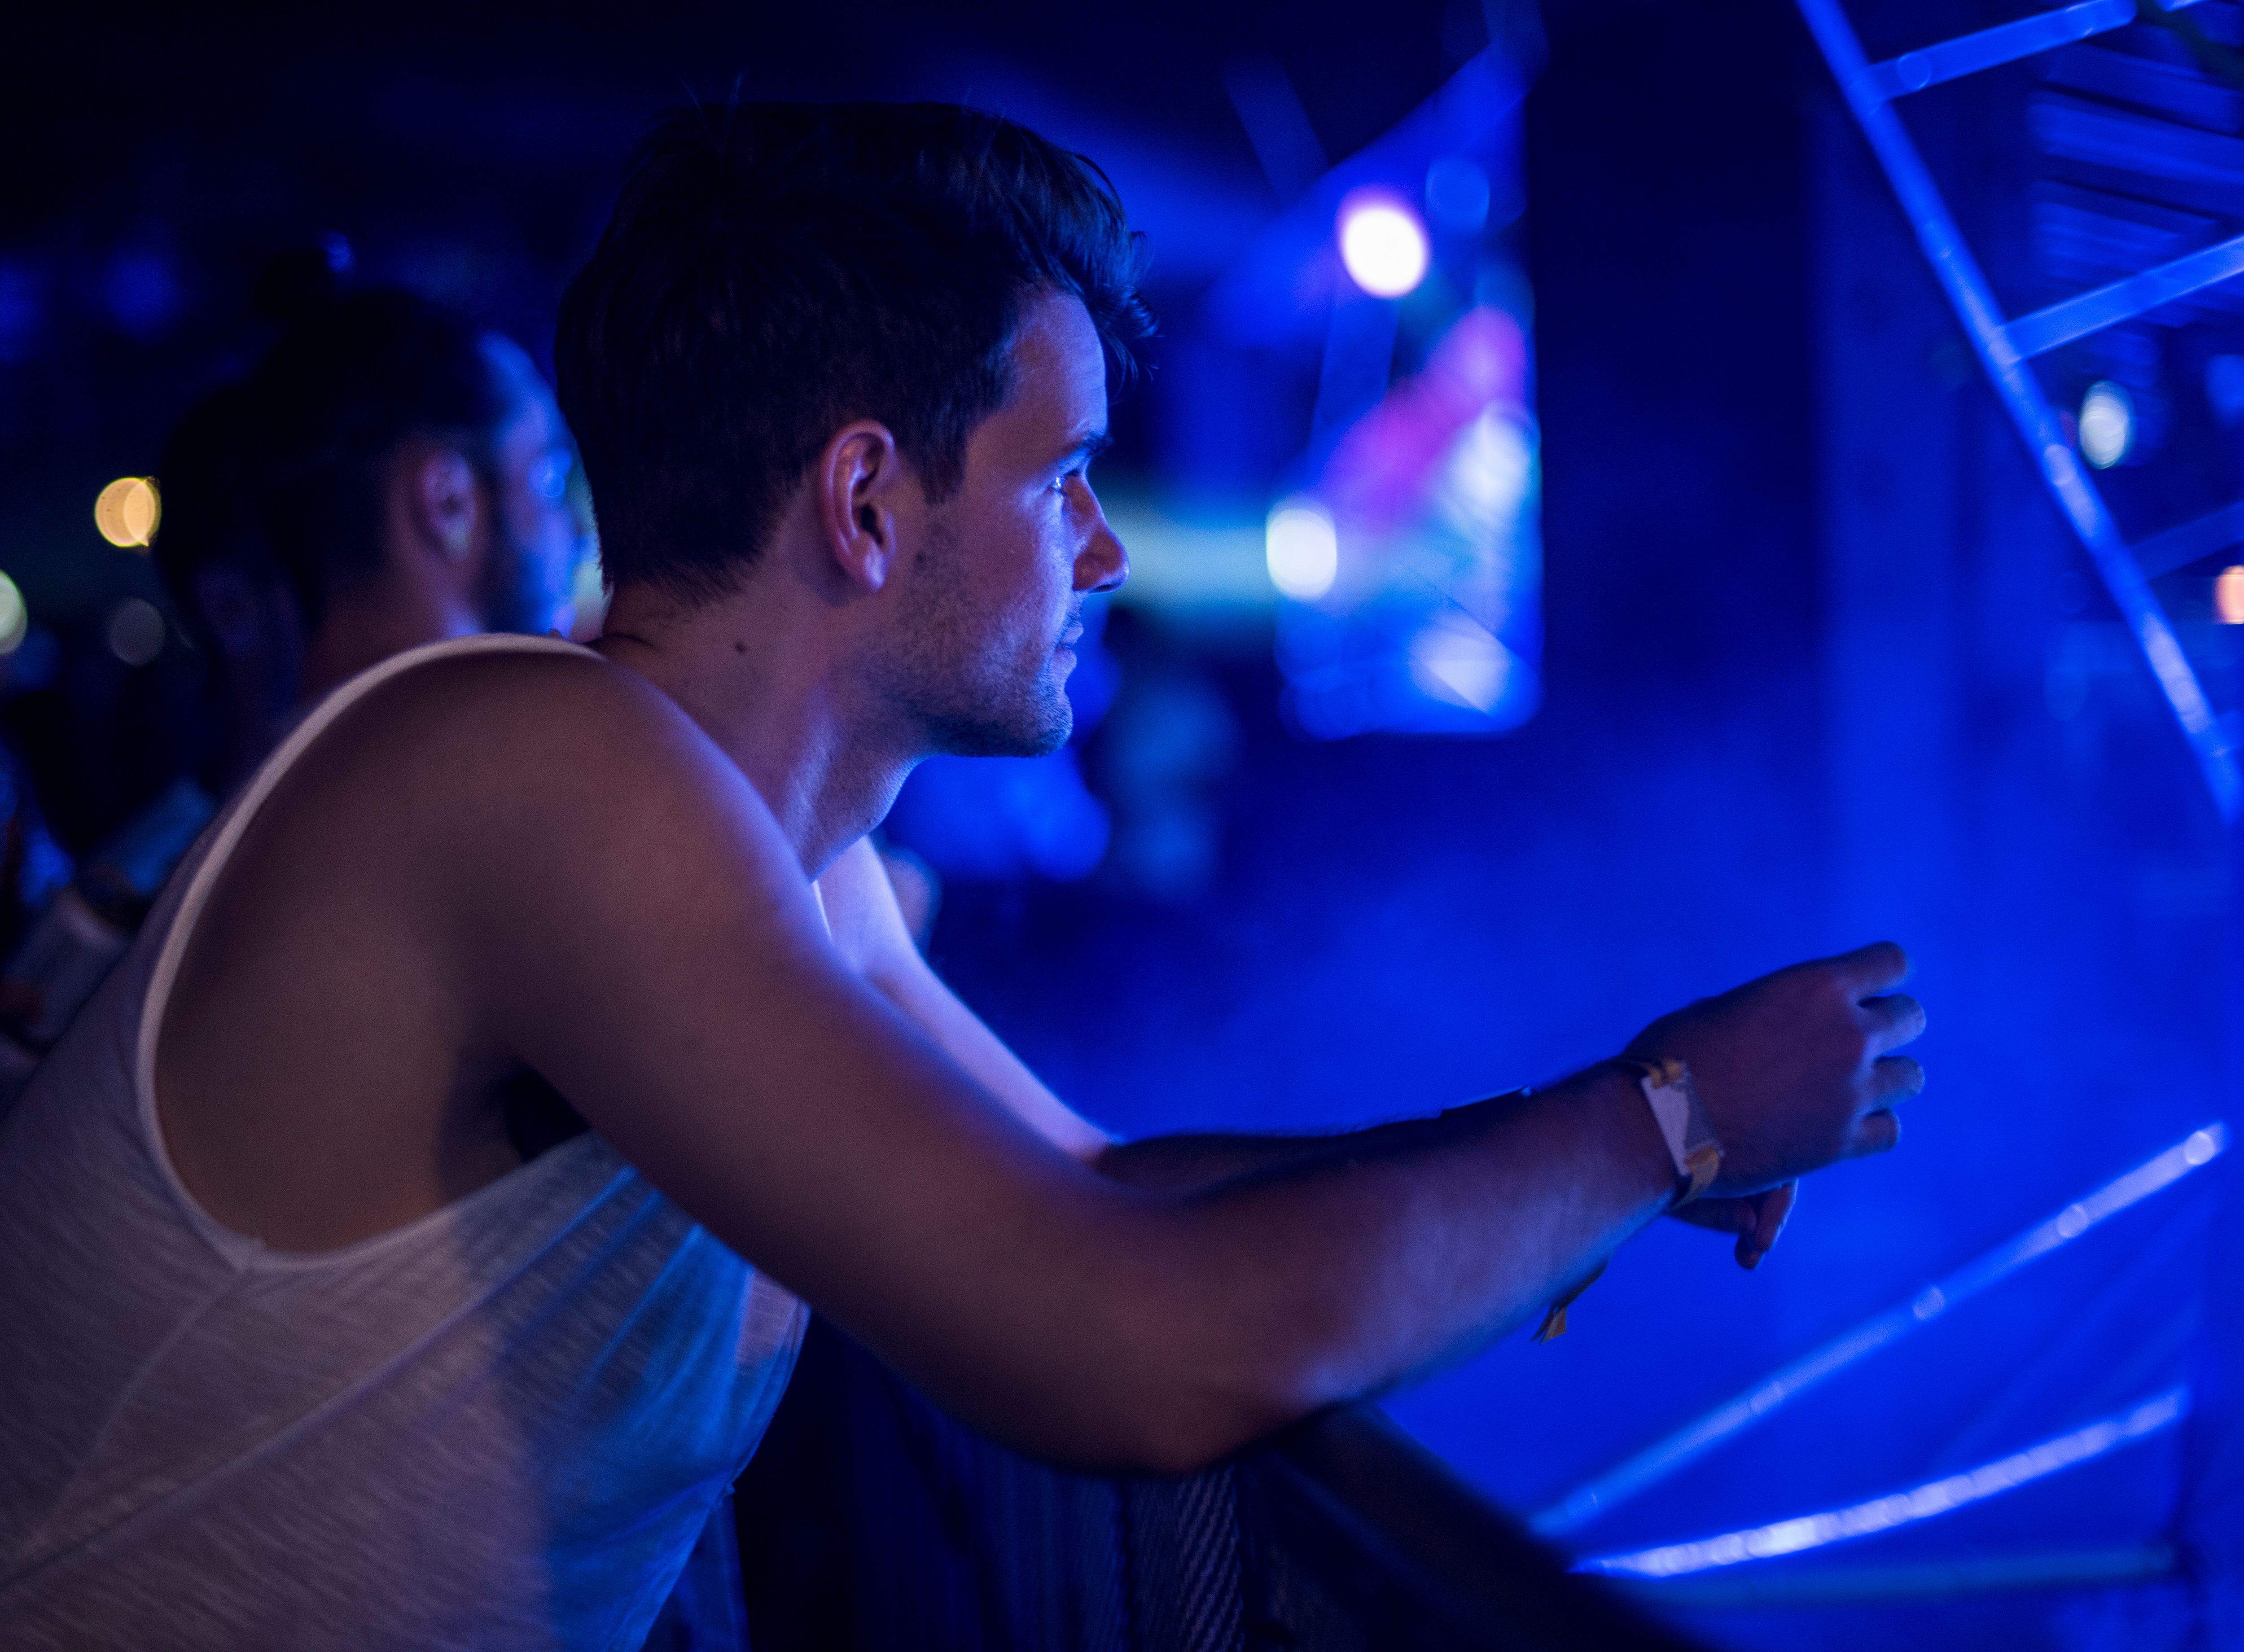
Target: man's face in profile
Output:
{"points": [[993, 596]]}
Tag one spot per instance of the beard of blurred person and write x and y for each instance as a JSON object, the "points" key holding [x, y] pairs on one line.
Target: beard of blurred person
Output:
{"points": [[476, 536], [538, 537]]}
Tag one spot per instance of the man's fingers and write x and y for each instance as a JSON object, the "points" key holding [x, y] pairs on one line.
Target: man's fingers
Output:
{"points": [[1878, 1131], [1757, 1219], [1897, 1019], [1772, 1210], [1873, 968], [1895, 1078], [1776, 1207]]}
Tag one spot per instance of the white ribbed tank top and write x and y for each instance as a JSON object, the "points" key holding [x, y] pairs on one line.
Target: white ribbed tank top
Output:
{"points": [[498, 1426]]}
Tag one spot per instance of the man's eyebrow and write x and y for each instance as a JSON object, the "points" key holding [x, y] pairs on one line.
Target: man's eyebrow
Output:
{"points": [[1088, 447]]}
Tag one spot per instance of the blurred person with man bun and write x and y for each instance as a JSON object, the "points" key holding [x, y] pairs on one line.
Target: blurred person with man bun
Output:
{"points": [[388, 474]]}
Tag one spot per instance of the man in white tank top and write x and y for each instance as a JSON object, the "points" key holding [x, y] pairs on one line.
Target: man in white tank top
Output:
{"points": [[315, 1351]]}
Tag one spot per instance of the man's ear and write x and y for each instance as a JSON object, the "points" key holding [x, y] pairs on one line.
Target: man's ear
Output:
{"points": [[443, 500], [862, 486]]}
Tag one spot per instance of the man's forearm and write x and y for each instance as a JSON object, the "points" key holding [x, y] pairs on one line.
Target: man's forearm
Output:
{"points": [[1190, 1161], [1344, 1264]]}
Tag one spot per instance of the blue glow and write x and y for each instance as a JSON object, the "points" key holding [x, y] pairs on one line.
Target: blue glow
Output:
{"points": [[2122, 301], [1457, 194], [1657, 1462], [142, 291], [2154, 148], [1436, 624], [1968, 54], [21, 313], [2178, 548], [1925, 1502]]}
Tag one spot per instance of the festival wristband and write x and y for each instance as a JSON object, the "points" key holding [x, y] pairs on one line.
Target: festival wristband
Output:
{"points": [[1683, 1124], [1667, 1090]]}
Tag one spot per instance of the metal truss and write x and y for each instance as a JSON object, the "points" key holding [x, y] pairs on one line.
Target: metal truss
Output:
{"points": [[2006, 345], [1756, 1404]]}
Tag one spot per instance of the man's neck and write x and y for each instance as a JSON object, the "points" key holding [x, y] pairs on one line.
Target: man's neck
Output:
{"points": [[785, 714]]}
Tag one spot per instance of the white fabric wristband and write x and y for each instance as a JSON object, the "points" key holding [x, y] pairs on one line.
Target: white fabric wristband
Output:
{"points": [[1683, 1124]]}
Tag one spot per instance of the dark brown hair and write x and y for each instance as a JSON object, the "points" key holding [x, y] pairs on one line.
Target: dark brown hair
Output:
{"points": [[774, 271]]}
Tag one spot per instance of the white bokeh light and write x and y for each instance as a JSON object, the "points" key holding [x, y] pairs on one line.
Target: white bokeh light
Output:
{"points": [[15, 618], [1302, 549], [1382, 242], [2107, 425]]}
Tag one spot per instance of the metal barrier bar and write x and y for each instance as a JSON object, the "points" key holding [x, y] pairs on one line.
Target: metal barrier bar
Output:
{"points": [[1892, 1584], [1695, 1439], [2083, 506], [1806, 1532], [2124, 299], [2178, 547], [1968, 54]]}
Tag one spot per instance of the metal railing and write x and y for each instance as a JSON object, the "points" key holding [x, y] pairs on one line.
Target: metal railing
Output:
{"points": [[870, 1520]]}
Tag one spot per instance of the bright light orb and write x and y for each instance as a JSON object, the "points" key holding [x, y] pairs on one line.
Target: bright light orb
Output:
{"points": [[1382, 242], [1302, 548], [2107, 425], [2228, 595], [15, 616], [127, 510]]}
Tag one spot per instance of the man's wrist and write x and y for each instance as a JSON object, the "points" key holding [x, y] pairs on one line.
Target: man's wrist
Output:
{"points": [[1693, 1147], [1639, 1147], [1638, 1152]]}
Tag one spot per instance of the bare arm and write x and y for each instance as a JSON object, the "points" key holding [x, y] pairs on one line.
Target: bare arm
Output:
{"points": [[869, 930], [688, 1003]]}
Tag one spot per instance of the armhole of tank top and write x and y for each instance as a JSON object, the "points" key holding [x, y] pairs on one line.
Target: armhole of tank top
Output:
{"points": [[233, 821]]}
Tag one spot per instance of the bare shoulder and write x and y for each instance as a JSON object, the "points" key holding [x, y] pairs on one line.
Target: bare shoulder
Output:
{"points": [[531, 753], [483, 848], [485, 716]]}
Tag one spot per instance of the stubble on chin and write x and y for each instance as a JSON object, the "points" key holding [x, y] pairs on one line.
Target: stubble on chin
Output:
{"points": [[1035, 724], [971, 699]]}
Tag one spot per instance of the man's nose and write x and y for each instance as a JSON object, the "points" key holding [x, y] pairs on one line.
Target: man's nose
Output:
{"points": [[1102, 564]]}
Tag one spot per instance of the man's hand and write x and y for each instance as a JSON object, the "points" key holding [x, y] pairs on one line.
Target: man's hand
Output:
{"points": [[1757, 1219], [1795, 1074]]}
